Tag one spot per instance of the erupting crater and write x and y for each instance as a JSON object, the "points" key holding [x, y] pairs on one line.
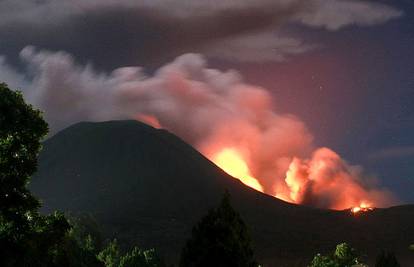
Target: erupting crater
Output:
{"points": [[362, 208], [325, 176]]}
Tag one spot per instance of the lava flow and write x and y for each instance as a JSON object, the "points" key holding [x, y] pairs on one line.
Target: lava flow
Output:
{"points": [[362, 208], [232, 162]]}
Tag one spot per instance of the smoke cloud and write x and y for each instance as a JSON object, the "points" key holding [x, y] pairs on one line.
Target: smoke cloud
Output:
{"points": [[124, 32], [326, 180], [215, 111]]}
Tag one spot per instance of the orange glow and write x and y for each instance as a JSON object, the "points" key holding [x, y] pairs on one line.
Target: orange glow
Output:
{"points": [[149, 119], [283, 197], [295, 182], [356, 209], [232, 162], [363, 207]]}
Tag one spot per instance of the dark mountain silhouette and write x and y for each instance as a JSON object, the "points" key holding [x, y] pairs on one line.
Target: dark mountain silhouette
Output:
{"points": [[147, 187]]}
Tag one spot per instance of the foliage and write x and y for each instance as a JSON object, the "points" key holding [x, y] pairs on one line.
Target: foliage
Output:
{"points": [[21, 129], [323, 261], [220, 239], [82, 243], [26, 237], [86, 232], [140, 258], [111, 257], [386, 259], [343, 256]]}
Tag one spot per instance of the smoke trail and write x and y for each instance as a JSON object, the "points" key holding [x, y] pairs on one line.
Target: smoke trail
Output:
{"points": [[216, 112]]}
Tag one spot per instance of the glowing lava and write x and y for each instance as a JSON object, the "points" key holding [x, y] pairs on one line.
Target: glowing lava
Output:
{"points": [[150, 120], [231, 161], [363, 207]]}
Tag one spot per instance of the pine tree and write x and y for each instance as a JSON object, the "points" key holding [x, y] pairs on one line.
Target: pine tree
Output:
{"points": [[220, 239]]}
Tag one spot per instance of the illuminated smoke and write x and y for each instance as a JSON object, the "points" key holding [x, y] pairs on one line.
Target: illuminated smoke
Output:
{"points": [[148, 119], [232, 123], [328, 181]]}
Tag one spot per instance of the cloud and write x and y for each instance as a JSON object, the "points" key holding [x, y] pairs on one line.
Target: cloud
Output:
{"points": [[336, 14], [392, 152], [66, 92], [213, 110], [118, 33], [262, 47]]}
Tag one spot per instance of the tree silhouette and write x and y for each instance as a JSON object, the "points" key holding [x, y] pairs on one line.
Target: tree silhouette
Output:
{"points": [[21, 129], [26, 237], [386, 259], [220, 239]]}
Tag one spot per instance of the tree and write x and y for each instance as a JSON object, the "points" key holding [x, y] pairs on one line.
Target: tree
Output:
{"points": [[21, 129], [85, 231], [82, 243], [386, 259], [323, 261], [111, 257], [220, 239], [343, 256], [140, 258], [26, 237]]}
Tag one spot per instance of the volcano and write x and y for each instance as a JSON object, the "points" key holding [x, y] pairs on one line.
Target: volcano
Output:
{"points": [[147, 187]]}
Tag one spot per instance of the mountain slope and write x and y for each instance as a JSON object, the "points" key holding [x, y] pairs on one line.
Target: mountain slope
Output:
{"points": [[148, 187]]}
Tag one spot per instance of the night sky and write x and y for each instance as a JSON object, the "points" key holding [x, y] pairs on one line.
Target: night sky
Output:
{"points": [[345, 68], [356, 94]]}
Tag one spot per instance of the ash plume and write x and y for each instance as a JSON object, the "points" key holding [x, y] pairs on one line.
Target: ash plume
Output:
{"points": [[210, 109]]}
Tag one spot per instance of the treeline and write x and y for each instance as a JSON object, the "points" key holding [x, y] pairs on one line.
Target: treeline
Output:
{"points": [[28, 238], [220, 239], [346, 256]]}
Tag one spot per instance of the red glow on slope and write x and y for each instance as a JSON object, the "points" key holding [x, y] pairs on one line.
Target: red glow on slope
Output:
{"points": [[232, 162], [150, 120]]}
